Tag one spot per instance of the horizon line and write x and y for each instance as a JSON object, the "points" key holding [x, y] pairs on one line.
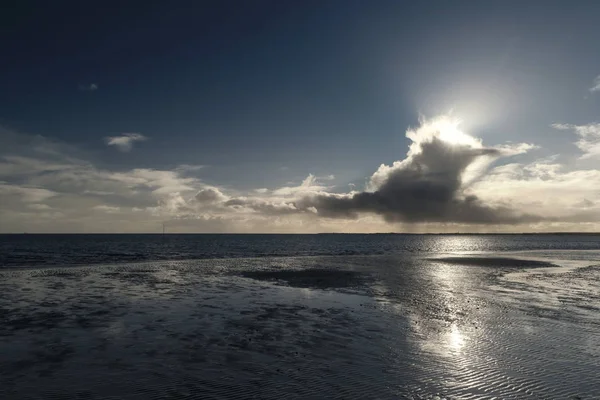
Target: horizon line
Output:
{"points": [[310, 233]]}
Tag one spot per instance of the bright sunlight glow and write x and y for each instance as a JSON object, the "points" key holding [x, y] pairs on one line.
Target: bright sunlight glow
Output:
{"points": [[450, 133]]}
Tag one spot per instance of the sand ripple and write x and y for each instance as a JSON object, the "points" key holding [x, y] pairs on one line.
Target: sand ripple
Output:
{"points": [[346, 327]]}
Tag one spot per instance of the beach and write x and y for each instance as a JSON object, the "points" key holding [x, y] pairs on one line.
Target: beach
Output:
{"points": [[435, 326], [290, 200]]}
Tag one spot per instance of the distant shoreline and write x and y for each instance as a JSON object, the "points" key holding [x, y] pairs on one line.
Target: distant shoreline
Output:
{"points": [[314, 234]]}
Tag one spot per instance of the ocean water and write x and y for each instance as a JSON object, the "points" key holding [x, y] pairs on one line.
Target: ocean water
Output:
{"points": [[64, 250], [300, 316]]}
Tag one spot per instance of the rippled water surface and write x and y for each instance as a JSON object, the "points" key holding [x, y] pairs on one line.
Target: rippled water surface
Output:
{"points": [[359, 316]]}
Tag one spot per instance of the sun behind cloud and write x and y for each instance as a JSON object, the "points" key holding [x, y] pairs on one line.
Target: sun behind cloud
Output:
{"points": [[446, 128]]}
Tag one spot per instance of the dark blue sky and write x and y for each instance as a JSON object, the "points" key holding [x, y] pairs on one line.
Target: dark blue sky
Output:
{"points": [[322, 87]]}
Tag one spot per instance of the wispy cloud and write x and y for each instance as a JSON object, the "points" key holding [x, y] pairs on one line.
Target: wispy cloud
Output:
{"points": [[98, 192], [88, 87], [39, 207], [596, 85], [189, 167], [309, 184], [125, 142], [589, 138], [107, 209], [27, 193]]}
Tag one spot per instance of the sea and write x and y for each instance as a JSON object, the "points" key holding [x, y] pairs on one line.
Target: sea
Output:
{"points": [[64, 250], [327, 316]]}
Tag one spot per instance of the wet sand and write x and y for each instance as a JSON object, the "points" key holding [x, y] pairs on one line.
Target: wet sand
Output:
{"points": [[346, 327]]}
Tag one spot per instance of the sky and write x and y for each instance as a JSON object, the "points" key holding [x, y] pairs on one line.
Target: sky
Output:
{"points": [[299, 117]]}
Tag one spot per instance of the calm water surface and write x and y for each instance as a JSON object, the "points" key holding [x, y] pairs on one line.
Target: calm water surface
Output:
{"points": [[62, 250]]}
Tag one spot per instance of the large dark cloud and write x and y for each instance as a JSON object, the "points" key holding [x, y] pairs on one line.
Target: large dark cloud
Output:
{"points": [[426, 187]]}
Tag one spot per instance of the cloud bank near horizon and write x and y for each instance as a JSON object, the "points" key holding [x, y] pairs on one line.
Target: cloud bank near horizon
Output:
{"points": [[448, 181]]}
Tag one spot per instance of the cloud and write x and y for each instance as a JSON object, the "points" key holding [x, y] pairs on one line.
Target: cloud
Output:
{"points": [[107, 209], [37, 170], [428, 185], [447, 181], [98, 192], [210, 196], [27, 193], [589, 138], [189, 168], [585, 203], [595, 85], [37, 206], [125, 142], [262, 206], [89, 87], [309, 184], [544, 187], [159, 181]]}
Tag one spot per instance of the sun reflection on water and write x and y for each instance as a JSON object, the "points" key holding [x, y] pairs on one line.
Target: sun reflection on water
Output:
{"points": [[451, 284], [456, 340]]}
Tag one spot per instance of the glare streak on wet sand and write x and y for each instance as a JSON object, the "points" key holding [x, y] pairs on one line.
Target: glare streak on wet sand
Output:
{"points": [[349, 327]]}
